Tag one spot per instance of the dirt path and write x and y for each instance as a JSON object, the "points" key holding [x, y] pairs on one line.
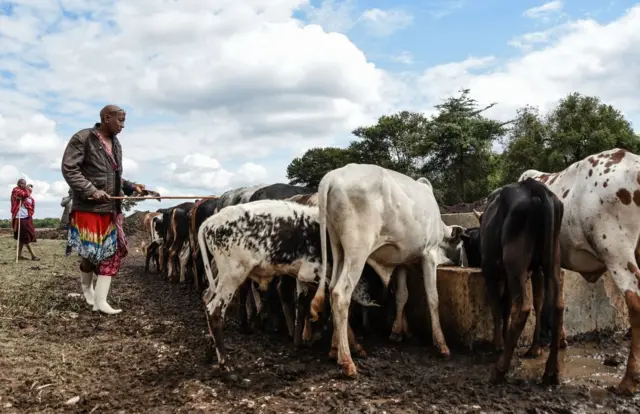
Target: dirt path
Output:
{"points": [[155, 358]]}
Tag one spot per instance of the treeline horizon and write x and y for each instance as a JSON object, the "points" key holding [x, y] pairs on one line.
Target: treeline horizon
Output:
{"points": [[454, 147]]}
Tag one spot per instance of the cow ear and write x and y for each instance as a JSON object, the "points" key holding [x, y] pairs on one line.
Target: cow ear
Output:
{"points": [[457, 232]]}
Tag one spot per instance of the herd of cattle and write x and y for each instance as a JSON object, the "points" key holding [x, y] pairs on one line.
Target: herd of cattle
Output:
{"points": [[279, 244]]}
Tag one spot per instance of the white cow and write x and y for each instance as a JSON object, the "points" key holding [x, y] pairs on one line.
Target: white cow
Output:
{"points": [[258, 241], [385, 219], [601, 229]]}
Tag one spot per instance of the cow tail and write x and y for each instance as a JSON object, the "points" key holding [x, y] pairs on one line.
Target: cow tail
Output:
{"points": [[317, 304], [550, 211], [205, 256]]}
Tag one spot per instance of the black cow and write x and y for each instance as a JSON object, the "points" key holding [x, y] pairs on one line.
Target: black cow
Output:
{"points": [[280, 191], [196, 216], [519, 233]]}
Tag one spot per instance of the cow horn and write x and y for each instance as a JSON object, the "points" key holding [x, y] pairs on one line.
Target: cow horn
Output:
{"points": [[475, 213]]}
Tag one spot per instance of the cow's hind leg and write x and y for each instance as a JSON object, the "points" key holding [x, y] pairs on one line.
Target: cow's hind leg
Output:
{"points": [[627, 278], [521, 302], [538, 288], [402, 296], [340, 300], [303, 302], [556, 278], [429, 271], [244, 311], [226, 287], [147, 257], [619, 256], [286, 286]]}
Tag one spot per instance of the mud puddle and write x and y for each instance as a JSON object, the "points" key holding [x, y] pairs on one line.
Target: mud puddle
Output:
{"points": [[583, 364]]}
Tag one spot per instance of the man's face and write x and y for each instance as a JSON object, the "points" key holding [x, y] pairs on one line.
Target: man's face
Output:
{"points": [[22, 184], [115, 122]]}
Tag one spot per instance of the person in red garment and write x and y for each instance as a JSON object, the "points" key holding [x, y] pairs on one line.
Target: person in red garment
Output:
{"points": [[92, 167], [22, 210]]}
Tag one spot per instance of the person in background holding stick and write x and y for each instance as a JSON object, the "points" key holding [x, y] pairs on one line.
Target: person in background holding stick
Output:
{"points": [[64, 220], [22, 209], [92, 167]]}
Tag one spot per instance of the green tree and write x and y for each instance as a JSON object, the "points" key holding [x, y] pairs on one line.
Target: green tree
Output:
{"points": [[458, 151], [577, 127], [526, 144], [392, 142], [309, 169], [583, 125]]}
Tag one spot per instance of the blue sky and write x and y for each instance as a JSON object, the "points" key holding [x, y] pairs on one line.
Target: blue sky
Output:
{"points": [[224, 96]]}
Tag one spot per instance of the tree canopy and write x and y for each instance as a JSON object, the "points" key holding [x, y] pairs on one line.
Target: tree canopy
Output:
{"points": [[467, 154]]}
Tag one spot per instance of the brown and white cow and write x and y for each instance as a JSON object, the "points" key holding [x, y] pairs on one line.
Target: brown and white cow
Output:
{"points": [[152, 238], [601, 230]]}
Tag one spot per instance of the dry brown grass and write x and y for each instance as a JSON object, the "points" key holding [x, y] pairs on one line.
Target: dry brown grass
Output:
{"points": [[25, 288]]}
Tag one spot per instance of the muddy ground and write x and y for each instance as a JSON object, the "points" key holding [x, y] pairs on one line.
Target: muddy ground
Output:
{"points": [[155, 358]]}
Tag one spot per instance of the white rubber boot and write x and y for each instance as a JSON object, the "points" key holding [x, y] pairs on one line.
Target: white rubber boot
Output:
{"points": [[100, 298], [86, 280]]}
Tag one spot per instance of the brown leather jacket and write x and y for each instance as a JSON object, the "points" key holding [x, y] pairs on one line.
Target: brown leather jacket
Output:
{"points": [[86, 167]]}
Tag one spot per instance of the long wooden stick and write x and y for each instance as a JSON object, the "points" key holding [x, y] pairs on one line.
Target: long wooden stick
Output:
{"points": [[163, 197], [18, 238]]}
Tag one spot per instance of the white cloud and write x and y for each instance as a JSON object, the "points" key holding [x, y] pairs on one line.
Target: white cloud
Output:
{"points": [[30, 134], [252, 173], [217, 90], [582, 56], [206, 84], [385, 22], [545, 10], [404, 57], [200, 161], [343, 16], [129, 165], [333, 16], [442, 8]]}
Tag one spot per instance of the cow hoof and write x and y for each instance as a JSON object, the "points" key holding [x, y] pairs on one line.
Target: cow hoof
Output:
{"points": [[395, 337], [533, 352], [444, 352], [564, 344], [550, 379], [231, 377], [349, 369], [360, 352], [496, 377], [626, 388]]}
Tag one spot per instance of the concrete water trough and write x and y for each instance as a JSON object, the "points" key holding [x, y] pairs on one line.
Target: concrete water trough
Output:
{"points": [[465, 314]]}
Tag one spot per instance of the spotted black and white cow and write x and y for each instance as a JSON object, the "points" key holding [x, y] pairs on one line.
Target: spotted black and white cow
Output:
{"points": [[601, 230], [258, 241], [385, 219]]}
